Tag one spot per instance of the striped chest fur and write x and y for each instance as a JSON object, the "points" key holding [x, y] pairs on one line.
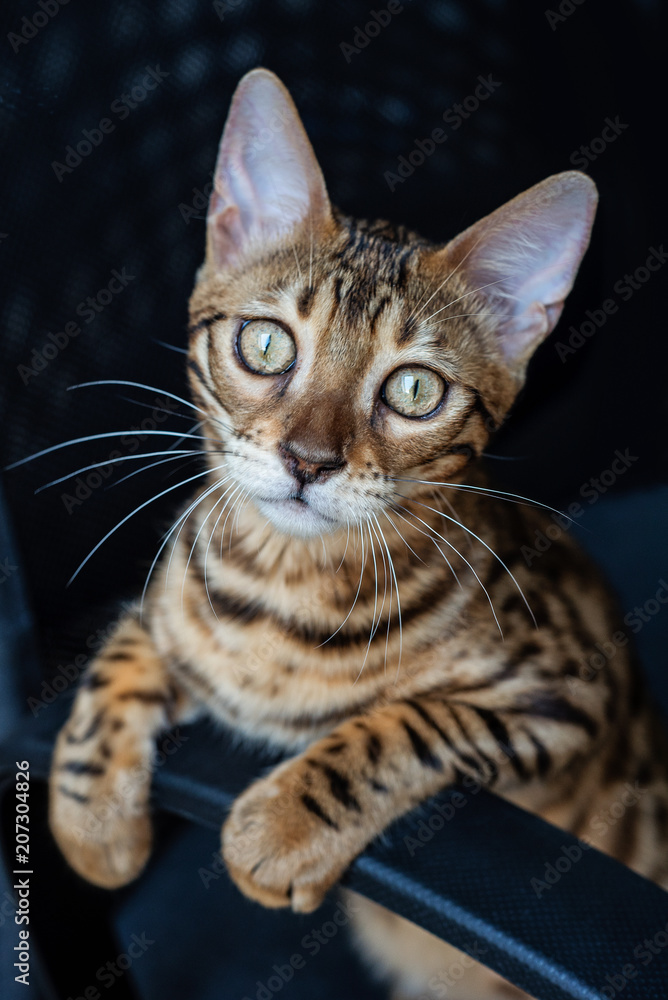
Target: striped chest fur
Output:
{"points": [[346, 585]]}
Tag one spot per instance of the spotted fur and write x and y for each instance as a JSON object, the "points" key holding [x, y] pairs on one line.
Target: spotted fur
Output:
{"points": [[381, 628]]}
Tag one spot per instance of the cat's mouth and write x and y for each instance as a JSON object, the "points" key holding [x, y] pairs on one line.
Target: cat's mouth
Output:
{"points": [[295, 514]]}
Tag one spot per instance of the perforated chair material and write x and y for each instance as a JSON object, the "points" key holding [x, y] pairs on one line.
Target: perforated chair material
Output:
{"points": [[124, 211]]}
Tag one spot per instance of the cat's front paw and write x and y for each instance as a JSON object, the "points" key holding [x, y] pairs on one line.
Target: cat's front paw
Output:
{"points": [[98, 814], [281, 852]]}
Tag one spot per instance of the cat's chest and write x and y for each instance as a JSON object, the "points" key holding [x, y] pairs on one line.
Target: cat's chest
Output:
{"points": [[255, 691], [288, 661], [285, 688]]}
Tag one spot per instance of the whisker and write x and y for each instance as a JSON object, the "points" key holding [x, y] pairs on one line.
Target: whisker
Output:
{"points": [[434, 542], [482, 490], [194, 545], [482, 312], [99, 437], [359, 587], [374, 624], [409, 547], [101, 465], [375, 601], [222, 534], [435, 496], [165, 540], [239, 502], [454, 270], [170, 347], [136, 511], [195, 427], [460, 297], [208, 546], [167, 536], [396, 587], [138, 385], [184, 517], [451, 546], [157, 409], [482, 542], [378, 533], [386, 577], [346, 548], [152, 465]]}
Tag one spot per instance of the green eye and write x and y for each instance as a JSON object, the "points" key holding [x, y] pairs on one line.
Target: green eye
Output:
{"points": [[414, 392], [265, 347]]}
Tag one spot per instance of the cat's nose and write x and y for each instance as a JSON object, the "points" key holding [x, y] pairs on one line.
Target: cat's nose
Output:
{"points": [[308, 466]]}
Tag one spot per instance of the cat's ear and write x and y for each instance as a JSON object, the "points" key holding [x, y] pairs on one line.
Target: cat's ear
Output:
{"points": [[524, 258], [267, 181]]}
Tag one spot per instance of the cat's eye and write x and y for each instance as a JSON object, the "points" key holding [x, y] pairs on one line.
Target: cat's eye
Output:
{"points": [[265, 347], [413, 392]]}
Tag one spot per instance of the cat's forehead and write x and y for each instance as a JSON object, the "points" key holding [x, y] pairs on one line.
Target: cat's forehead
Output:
{"points": [[369, 295], [369, 287]]}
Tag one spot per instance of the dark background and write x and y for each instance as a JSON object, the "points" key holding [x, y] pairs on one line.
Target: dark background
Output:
{"points": [[123, 206]]}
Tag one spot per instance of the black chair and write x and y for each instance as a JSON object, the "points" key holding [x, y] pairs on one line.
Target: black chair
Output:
{"points": [[130, 198]]}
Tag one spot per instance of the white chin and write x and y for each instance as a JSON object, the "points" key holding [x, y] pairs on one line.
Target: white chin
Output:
{"points": [[292, 517]]}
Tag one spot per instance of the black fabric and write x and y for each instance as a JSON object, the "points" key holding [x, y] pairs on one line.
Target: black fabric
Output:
{"points": [[134, 205], [560, 921]]}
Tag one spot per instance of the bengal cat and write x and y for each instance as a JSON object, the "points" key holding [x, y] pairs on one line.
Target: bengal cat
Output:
{"points": [[345, 586]]}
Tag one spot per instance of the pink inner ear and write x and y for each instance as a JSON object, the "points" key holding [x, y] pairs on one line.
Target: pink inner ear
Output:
{"points": [[524, 258], [267, 180]]}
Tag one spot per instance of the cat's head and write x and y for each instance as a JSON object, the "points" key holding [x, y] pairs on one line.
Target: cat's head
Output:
{"points": [[337, 357]]}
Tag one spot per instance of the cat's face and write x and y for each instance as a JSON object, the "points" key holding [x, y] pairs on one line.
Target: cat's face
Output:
{"points": [[337, 382], [337, 360]]}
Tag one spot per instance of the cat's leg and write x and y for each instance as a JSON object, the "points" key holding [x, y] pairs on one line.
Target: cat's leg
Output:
{"points": [[101, 770], [292, 834]]}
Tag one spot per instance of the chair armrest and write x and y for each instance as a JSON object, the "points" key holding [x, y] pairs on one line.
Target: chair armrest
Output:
{"points": [[557, 920]]}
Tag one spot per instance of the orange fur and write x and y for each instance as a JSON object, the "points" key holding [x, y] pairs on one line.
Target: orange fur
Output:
{"points": [[329, 596]]}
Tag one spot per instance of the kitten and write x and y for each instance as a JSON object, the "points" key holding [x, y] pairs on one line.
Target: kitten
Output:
{"points": [[340, 586]]}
